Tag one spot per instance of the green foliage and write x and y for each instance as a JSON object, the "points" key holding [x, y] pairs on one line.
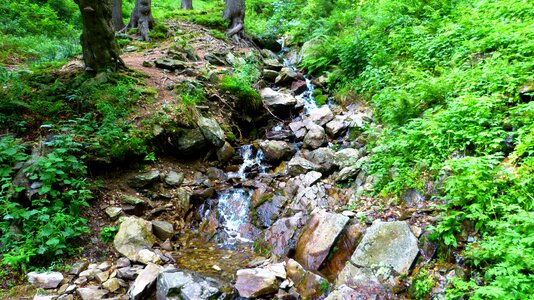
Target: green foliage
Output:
{"points": [[422, 285], [239, 86], [107, 234], [159, 32]]}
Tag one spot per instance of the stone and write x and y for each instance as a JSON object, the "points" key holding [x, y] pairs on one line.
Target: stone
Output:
{"points": [[89, 273], [317, 238], [170, 64], [78, 267], [346, 173], [104, 266], [146, 257], [287, 76], [299, 128], [276, 100], [281, 236], [225, 153], [299, 165], [270, 75], [189, 141], [144, 180], [147, 64], [321, 116], [47, 280], [144, 284], [299, 87], [276, 151], [323, 157], [174, 179], [270, 210], [102, 277], [347, 157], [123, 262], [315, 137], [113, 212], [216, 59], [162, 229], [252, 283], [344, 292], [211, 130], [345, 245], [278, 269], [128, 273], [134, 235], [336, 127], [311, 178], [308, 284], [132, 200], [91, 293], [180, 284], [112, 285], [40, 296], [65, 297], [272, 64]]}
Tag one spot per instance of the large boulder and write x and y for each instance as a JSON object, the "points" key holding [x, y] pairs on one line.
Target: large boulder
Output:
{"points": [[252, 283], [317, 238], [299, 165], [315, 137], [323, 157], [276, 151], [299, 128], [170, 64], [321, 116], [190, 142], [347, 157], [47, 280], [336, 127], [144, 284], [308, 284], [212, 131], [134, 235], [180, 284], [276, 100], [281, 236], [287, 76]]}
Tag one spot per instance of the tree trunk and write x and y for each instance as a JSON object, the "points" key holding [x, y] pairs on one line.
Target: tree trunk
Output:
{"points": [[187, 4], [118, 23], [142, 18], [100, 49], [235, 13]]}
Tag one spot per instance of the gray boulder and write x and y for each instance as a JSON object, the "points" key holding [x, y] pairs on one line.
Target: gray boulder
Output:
{"points": [[191, 141], [144, 284], [252, 283], [269, 75], [162, 229], [174, 178], [324, 157], [308, 284], [91, 293], [346, 173], [299, 165], [276, 100], [145, 179], [336, 127], [178, 285], [347, 157], [134, 234], [287, 76], [212, 131], [282, 234], [225, 153], [276, 151], [321, 116], [315, 137], [299, 128], [170, 64], [47, 280]]}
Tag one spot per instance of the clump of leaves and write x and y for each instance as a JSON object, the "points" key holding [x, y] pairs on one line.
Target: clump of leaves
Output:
{"points": [[107, 234]]}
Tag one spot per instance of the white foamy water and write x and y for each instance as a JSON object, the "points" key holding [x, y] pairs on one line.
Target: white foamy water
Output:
{"points": [[233, 207]]}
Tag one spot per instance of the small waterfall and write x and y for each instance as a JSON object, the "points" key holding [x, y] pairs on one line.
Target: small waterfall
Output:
{"points": [[307, 97], [233, 207], [249, 160]]}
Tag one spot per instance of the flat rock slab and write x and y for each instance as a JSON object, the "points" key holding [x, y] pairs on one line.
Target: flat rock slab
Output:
{"points": [[145, 179], [145, 282], [283, 233], [317, 238], [252, 283], [48, 280]]}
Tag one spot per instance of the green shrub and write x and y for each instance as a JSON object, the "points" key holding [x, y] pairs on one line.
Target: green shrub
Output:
{"points": [[107, 234]]}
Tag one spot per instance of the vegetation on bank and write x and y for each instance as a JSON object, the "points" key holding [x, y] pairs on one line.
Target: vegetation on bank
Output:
{"points": [[443, 77]]}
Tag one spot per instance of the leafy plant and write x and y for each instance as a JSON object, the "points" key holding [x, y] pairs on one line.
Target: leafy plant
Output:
{"points": [[107, 234]]}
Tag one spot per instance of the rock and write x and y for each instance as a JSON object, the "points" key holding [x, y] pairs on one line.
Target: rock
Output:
{"points": [[347, 157], [145, 179], [299, 129], [287, 76], [225, 153], [190, 142], [216, 174], [345, 245], [134, 235], [174, 179], [299, 165], [345, 292], [47, 280], [91, 293], [270, 210], [162, 229], [179, 284], [147, 64], [123, 262], [276, 151], [315, 137], [317, 238], [279, 135], [309, 198], [146, 257], [216, 59], [281, 236], [132, 200], [346, 173], [113, 212], [79, 267], [170, 64], [321, 116], [128, 273], [112, 285], [277, 101], [40, 296], [311, 178], [145, 282], [336, 127], [272, 64], [299, 87], [323, 157], [270, 75], [308, 284], [252, 283], [211, 130], [102, 277]]}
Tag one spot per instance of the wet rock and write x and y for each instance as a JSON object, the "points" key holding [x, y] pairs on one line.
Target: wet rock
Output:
{"points": [[47, 280], [216, 174], [323, 157], [315, 137], [280, 135], [146, 256], [347, 157], [282, 234], [144, 284], [134, 235], [287, 76], [200, 195], [270, 75], [299, 128], [270, 210], [276, 151], [276, 100], [321, 116], [145, 179], [91, 293], [113, 212], [346, 173], [225, 153], [170, 64], [308, 284], [317, 238], [336, 127], [178, 284], [299, 87], [299, 165], [174, 178], [212, 131], [162, 229], [252, 283], [344, 248], [272, 64]]}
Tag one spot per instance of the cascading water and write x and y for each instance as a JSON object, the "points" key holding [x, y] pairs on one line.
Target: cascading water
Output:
{"points": [[307, 97], [233, 206], [249, 160]]}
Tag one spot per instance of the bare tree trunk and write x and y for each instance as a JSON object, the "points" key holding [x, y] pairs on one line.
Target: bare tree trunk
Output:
{"points": [[235, 13], [187, 4], [142, 18], [118, 24], [100, 49]]}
